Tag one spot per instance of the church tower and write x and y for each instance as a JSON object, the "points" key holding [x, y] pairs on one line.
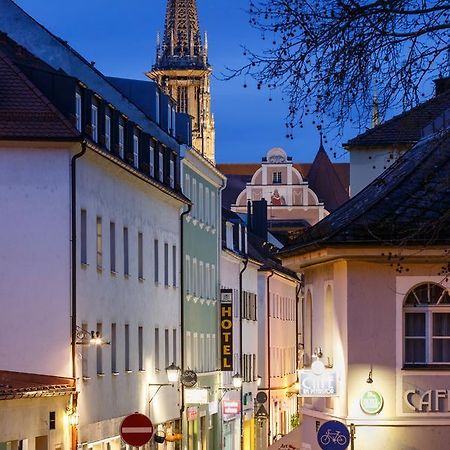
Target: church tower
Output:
{"points": [[183, 71]]}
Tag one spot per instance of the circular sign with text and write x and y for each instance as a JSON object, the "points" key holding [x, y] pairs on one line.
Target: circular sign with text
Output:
{"points": [[136, 429], [371, 402], [333, 435], [261, 397], [188, 378]]}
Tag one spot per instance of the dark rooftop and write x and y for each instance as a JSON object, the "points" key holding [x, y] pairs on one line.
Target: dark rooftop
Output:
{"points": [[404, 129], [409, 204]]}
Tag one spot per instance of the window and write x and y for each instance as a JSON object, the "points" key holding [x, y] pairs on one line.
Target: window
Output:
{"points": [[157, 349], [157, 107], [78, 110], [213, 209], [166, 348], [201, 279], [140, 256], [94, 122], [182, 99], [172, 174], [84, 355], [194, 277], [166, 264], [200, 202], [174, 122], [108, 129], [126, 261], [427, 325], [188, 275], [174, 265], [187, 186], [127, 347], [194, 198], [155, 249], [174, 346], [276, 178], [83, 237], [51, 421], [121, 138], [213, 282], [141, 348], [151, 158], [207, 205], [99, 244], [161, 167], [112, 246], [135, 150], [99, 351], [113, 348], [188, 347]]}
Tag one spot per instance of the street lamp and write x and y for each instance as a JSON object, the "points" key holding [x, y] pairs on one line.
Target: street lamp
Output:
{"points": [[85, 337], [173, 373], [237, 381]]}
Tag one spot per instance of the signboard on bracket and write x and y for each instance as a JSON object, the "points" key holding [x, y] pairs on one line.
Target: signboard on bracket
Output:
{"points": [[313, 384], [226, 330]]}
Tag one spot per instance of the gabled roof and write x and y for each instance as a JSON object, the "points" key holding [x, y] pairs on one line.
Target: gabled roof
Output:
{"points": [[30, 385], [404, 129], [325, 182], [25, 113], [409, 204]]}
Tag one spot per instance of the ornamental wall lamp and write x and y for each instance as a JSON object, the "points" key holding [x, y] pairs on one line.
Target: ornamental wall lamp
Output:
{"points": [[85, 337], [237, 380], [173, 376], [369, 378]]}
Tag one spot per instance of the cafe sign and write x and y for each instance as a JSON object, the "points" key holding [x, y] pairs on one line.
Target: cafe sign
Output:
{"points": [[196, 396], [226, 330], [313, 384], [432, 400], [371, 402]]}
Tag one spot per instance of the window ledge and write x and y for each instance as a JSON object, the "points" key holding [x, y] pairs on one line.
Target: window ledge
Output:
{"points": [[115, 374], [141, 279], [100, 374], [142, 371], [194, 221], [86, 378], [213, 230], [426, 367], [128, 371], [201, 225], [99, 269], [207, 227], [188, 217], [126, 276], [84, 265], [114, 273]]}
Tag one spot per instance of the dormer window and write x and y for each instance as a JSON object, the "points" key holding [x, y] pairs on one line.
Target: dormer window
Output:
{"points": [[151, 158], [160, 167], [135, 150], [108, 129], [78, 110], [172, 173], [121, 138], [276, 178], [94, 122]]}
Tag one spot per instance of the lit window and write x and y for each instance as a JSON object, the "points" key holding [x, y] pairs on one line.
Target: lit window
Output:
{"points": [[108, 130], [78, 110], [426, 313], [94, 122], [135, 150]]}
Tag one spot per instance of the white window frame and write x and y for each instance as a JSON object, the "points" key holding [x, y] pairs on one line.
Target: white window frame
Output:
{"points": [[121, 140], [78, 111], [151, 158], [108, 130], [94, 122], [135, 150]]}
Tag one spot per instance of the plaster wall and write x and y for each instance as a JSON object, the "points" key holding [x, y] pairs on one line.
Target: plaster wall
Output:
{"points": [[35, 288], [108, 297]]}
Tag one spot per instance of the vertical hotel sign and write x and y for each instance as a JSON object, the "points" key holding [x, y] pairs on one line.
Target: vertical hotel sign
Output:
{"points": [[226, 330]]}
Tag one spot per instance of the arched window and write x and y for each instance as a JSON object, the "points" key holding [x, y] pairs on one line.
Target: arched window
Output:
{"points": [[426, 312]]}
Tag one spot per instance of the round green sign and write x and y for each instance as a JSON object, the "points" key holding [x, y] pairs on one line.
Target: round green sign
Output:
{"points": [[371, 402]]}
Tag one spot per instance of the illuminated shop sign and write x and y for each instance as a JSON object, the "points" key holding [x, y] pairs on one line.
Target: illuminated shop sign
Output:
{"points": [[371, 402], [433, 400], [312, 384], [196, 396], [226, 330], [231, 406]]}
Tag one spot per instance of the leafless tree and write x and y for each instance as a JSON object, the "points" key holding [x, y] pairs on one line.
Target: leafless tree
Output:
{"points": [[328, 57]]}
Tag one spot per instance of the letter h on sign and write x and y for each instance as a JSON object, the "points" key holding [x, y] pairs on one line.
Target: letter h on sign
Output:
{"points": [[226, 330]]}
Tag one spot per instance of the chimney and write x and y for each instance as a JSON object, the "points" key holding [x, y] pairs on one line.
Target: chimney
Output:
{"points": [[442, 85], [259, 219]]}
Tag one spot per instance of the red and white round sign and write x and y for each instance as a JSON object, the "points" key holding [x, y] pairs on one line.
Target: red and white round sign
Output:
{"points": [[136, 429]]}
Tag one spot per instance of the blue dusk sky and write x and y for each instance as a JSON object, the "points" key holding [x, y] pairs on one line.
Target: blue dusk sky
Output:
{"points": [[120, 37]]}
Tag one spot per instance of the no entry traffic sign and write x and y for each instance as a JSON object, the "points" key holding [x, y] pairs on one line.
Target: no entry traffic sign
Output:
{"points": [[136, 429]]}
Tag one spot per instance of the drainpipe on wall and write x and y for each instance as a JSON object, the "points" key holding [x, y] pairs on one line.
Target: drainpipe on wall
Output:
{"points": [[268, 356], [73, 193], [182, 309], [297, 300], [240, 349]]}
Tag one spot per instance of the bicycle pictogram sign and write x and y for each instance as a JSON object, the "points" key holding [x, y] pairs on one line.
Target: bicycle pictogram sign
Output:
{"points": [[333, 435]]}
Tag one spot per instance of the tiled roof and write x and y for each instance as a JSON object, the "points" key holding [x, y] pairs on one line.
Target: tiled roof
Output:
{"points": [[408, 204], [20, 385], [325, 182], [404, 129], [25, 113]]}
